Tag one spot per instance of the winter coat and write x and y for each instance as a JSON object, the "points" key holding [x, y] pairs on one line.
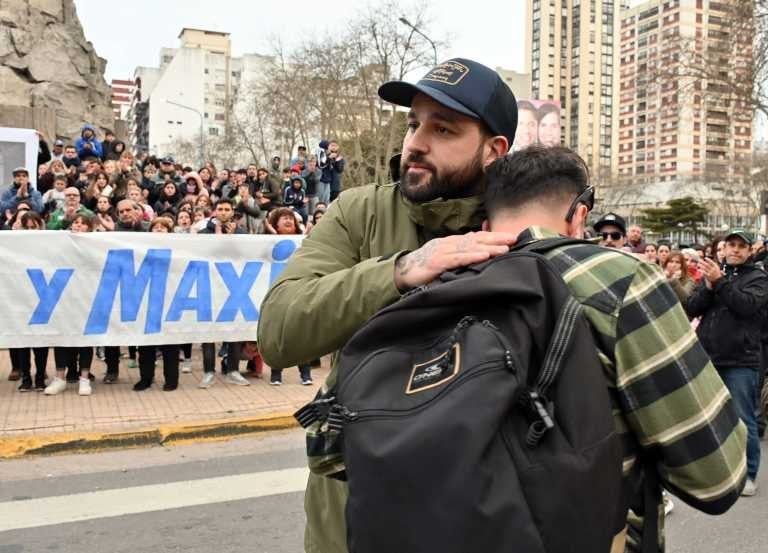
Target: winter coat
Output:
{"points": [[732, 316], [80, 144], [9, 199], [312, 178], [293, 197]]}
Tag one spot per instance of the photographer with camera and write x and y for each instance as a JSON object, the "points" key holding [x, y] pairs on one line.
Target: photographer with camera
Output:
{"points": [[332, 164]]}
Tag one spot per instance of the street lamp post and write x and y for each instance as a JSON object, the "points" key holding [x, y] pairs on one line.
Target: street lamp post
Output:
{"points": [[416, 30], [200, 115]]}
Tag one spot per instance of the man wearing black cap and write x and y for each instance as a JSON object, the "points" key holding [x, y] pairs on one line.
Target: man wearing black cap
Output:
{"points": [[166, 173], [731, 302], [20, 191], [612, 230], [377, 242]]}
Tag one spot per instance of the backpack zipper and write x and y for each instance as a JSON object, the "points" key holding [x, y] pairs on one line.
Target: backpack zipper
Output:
{"points": [[351, 416]]}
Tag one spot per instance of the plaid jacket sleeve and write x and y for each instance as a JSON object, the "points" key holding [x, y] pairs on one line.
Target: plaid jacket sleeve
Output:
{"points": [[673, 399]]}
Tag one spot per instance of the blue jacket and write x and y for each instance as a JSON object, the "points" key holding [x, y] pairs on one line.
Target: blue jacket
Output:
{"points": [[9, 199], [95, 149]]}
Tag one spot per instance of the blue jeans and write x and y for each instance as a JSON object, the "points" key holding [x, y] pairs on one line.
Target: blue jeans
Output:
{"points": [[324, 192], [742, 384]]}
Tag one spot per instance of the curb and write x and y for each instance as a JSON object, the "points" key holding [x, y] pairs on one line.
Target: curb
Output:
{"points": [[86, 442]]}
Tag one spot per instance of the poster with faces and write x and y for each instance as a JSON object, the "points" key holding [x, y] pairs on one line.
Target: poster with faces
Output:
{"points": [[538, 122], [18, 148]]}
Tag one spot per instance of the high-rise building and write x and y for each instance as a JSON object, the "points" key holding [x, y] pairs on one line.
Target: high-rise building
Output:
{"points": [[122, 94], [673, 124], [571, 46], [192, 91]]}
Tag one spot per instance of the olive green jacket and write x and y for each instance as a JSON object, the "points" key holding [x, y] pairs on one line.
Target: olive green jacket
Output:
{"points": [[344, 271]]}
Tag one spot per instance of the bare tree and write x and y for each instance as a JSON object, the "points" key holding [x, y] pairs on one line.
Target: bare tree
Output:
{"points": [[326, 87]]}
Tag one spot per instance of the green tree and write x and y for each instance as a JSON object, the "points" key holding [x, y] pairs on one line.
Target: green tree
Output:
{"points": [[681, 214]]}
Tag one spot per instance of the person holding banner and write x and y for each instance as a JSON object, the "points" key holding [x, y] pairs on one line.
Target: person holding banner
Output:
{"points": [[21, 360], [73, 360], [170, 352]]}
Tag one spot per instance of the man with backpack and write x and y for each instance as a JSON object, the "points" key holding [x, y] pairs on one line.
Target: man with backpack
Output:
{"points": [[670, 406], [463, 116]]}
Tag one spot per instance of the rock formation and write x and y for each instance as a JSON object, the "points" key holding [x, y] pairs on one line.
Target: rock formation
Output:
{"points": [[46, 62]]}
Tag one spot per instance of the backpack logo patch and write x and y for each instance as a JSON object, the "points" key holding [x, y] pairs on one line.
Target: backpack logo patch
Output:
{"points": [[434, 372]]}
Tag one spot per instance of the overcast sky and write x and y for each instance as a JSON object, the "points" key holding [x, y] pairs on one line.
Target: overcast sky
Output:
{"points": [[129, 34]]}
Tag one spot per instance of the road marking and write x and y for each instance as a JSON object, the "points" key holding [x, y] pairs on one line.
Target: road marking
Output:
{"points": [[45, 511]]}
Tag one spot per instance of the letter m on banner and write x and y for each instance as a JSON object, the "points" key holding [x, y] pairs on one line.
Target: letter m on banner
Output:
{"points": [[119, 273]]}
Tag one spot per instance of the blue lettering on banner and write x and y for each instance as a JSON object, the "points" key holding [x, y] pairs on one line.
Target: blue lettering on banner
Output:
{"points": [[196, 274], [119, 272], [48, 293], [280, 253], [239, 291]]}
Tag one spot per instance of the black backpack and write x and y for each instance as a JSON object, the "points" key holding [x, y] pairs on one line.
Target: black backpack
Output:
{"points": [[475, 418]]}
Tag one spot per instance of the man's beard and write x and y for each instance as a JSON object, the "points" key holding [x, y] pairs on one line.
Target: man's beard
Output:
{"points": [[459, 183]]}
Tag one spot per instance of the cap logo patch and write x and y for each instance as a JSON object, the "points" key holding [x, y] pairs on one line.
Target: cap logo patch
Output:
{"points": [[449, 72]]}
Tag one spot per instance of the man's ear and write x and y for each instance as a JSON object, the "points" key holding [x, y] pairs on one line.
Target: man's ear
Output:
{"points": [[486, 227], [579, 222], [498, 146]]}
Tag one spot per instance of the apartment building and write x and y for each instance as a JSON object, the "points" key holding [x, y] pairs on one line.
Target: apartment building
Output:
{"points": [[122, 94], [571, 48], [672, 124]]}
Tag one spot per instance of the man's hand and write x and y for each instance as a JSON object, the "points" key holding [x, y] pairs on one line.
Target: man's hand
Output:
{"points": [[69, 212], [23, 190], [443, 254], [711, 272], [231, 226]]}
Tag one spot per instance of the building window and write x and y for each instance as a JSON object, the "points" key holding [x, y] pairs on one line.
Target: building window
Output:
{"points": [[213, 131]]}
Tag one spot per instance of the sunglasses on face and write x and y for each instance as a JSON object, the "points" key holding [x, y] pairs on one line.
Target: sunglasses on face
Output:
{"points": [[615, 235]]}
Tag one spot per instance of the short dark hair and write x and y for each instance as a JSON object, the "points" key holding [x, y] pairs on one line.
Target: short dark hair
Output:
{"points": [[535, 174], [225, 201]]}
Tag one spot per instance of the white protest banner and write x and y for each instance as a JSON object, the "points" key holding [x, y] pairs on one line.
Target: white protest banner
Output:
{"points": [[120, 288]]}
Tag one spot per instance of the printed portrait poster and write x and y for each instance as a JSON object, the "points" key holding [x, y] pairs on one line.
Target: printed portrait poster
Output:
{"points": [[538, 122], [18, 148]]}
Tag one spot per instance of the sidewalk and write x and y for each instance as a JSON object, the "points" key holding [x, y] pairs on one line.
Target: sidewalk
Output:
{"points": [[116, 416]]}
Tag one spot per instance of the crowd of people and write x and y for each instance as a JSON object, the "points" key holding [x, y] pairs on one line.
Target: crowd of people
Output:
{"points": [[95, 185]]}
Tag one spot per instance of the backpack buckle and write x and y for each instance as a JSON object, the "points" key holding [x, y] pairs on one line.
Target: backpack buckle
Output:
{"points": [[314, 411]]}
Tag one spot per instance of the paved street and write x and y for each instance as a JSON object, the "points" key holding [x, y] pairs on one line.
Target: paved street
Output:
{"points": [[239, 496]]}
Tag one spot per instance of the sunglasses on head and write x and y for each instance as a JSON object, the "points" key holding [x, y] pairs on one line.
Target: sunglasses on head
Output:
{"points": [[587, 197], [615, 235]]}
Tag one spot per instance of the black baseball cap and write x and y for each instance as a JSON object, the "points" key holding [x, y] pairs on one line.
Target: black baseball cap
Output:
{"points": [[611, 219], [464, 86]]}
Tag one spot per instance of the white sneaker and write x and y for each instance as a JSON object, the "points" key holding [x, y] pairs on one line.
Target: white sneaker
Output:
{"points": [[207, 381], [56, 386], [84, 387], [186, 366], [750, 488], [234, 377]]}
